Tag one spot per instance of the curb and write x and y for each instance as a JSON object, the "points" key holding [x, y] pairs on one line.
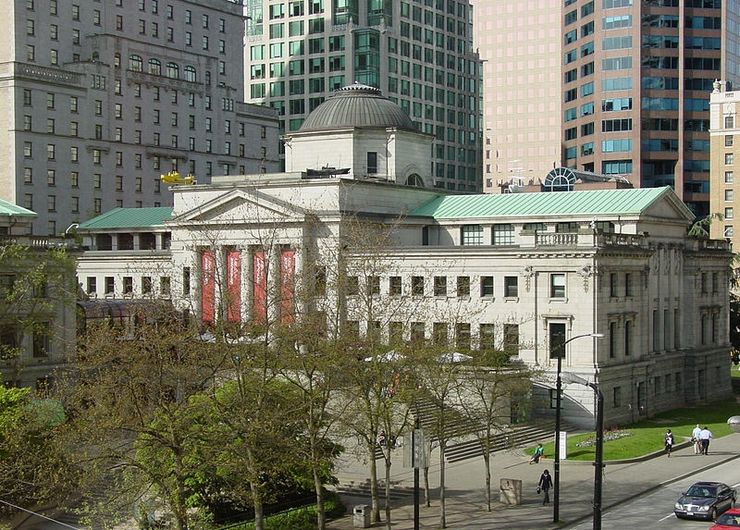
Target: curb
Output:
{"points": [[648, 490]]}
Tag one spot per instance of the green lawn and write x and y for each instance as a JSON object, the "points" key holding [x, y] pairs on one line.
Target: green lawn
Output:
{"points": [[735, 372], [647, 435]]}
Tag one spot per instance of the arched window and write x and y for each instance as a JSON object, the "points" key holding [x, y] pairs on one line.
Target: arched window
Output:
{"points": [[117, 60], [173, 71], [135, 63], [190, 74], [415, 180], [155, 67], [560, 179]]}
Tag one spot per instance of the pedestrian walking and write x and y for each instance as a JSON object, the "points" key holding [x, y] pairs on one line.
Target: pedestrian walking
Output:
{"points": [[705, 435], [538, 453], [695, 438], [668, 439], [544, 485]]}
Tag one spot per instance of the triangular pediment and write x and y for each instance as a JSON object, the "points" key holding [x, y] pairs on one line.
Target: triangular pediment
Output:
{"points": [[241, 207], [668, 206]]}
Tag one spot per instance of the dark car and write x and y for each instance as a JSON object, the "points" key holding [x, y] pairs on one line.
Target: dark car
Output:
{"points": [[705, 500]]}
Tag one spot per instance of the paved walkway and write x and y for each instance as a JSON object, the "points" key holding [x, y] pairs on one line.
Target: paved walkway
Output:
{"points": [[465, 487]]}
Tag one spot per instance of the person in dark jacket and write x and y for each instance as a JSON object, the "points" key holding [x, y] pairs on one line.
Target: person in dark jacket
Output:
{"points": [[544, 485]]}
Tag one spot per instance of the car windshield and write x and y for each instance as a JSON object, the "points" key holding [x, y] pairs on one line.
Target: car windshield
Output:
{"points": [[729, 520], [701, 491]]}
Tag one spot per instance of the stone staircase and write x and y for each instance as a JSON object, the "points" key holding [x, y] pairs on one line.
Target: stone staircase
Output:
{"points": [[520, 435], [362, 489]]}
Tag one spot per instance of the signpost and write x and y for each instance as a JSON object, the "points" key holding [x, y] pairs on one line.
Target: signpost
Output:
{"points": [[415, 455]]}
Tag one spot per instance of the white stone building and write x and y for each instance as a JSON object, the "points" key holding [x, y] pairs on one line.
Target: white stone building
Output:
{"points": [[37, 316], [521, 272], [98, 99]]}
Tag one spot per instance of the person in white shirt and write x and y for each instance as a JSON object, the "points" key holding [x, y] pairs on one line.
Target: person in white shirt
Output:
{"points": [[705, 435], [695, 437]]}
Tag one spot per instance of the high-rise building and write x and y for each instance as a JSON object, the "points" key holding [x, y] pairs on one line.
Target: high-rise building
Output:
{"points": [[520, 47], [419, 54], [99, 98], [725, 164], [636, 82]]}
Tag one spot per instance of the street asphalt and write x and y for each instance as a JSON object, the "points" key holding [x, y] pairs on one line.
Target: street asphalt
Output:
{"points": [[466, 507]]}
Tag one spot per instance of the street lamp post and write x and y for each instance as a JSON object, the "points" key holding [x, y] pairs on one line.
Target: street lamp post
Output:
{"points": [[558, 393], [599, 456]]}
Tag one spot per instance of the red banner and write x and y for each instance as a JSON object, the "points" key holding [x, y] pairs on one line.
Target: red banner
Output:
{"points": [[208, 286], [287, 282], [234, 286], [259, 278]]}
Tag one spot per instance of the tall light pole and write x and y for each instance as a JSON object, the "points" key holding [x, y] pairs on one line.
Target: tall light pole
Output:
{"points": [[599, 456], [558, 392]]}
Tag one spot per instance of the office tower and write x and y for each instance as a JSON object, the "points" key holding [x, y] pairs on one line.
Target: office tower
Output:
{"points": [[520, 47], [636, 82], [725, 163], [418, 54], [98, 98]]}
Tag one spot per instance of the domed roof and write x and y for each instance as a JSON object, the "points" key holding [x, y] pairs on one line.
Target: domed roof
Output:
{"points": [[357, 106]]}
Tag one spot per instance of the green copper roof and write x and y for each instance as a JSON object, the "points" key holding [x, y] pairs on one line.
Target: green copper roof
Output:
{"points": [[129, 218], [609, 202], [8, 209]]}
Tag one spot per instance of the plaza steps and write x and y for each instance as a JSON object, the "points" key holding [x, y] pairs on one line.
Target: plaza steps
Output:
{"points": [[520, 435], [362, 489]]}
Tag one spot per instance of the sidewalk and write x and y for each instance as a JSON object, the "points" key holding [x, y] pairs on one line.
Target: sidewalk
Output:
{"points": [[465, 494]]}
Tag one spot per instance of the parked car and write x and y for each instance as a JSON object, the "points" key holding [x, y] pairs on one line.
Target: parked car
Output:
{"points": [[705, 500], [730, 520]]}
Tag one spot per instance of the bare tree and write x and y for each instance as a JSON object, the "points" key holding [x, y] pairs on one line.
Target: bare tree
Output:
{"points": [[485, 394]]}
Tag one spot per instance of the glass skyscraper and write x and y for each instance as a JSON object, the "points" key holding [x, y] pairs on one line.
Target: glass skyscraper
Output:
{"points": [[419, 54]]}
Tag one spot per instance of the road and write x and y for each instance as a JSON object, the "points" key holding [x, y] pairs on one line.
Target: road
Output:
{"points": [[655, 510]]}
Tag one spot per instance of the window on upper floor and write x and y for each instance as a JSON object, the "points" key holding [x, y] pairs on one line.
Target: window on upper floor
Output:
{"points": [[557, 285]]}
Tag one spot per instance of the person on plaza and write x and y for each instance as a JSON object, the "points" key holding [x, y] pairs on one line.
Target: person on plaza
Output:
{"points": [[538, 453], [695, 438], [544, 485], [381, 439], [668, 439], [705, 435]]}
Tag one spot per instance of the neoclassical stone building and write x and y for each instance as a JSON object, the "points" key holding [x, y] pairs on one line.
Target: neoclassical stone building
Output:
{"points": [[521, 271]]}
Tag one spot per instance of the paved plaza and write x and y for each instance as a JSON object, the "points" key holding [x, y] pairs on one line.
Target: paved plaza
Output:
{"points": [[466, 508]]}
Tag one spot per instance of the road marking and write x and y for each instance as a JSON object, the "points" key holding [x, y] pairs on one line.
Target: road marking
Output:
{"points": [[666, 517]]}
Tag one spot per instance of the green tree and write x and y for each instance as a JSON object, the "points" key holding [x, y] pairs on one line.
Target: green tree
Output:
{"points": [[128, 400]]}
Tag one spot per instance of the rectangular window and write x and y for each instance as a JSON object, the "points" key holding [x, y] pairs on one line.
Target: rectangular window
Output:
{"points": [[463, 286], [394, 286], [511, 286], [373, 285], [439, 333], [487, 339], [511, 339], [472, 235], [503, 234], [557, 285], [417, 285], [42, 340], [486, 286], [372, 162], [557, 339], [440, 286], [110, 284], [462, 335]]}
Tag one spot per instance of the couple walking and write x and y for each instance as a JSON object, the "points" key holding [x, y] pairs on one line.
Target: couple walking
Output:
{"points": [[701, 437]]}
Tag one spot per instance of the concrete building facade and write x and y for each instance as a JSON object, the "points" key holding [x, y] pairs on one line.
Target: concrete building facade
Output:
{"points": [[37, 301], [100, 98], [520, 47], [636, 76], [725, 163], [521, 272], [420, 54]]}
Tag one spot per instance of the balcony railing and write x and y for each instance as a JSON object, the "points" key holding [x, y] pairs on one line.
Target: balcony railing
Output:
{"points": [[39, 242]]}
